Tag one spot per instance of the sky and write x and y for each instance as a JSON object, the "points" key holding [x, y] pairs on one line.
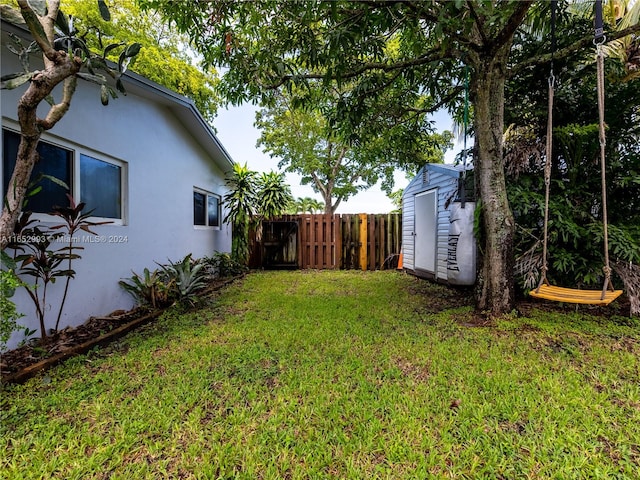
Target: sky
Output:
{"points": [[238, 135]]}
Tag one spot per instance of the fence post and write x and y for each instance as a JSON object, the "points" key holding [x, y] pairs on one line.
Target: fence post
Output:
{"points": [[363, 240]]}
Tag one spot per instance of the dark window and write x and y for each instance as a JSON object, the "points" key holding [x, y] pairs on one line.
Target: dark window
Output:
{"points": [[206, 209], [55, 162], [213, 211], [101, 187], [199, 208]]}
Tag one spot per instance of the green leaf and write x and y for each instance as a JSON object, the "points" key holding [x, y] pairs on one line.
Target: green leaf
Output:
{"points": [[14, 80], [132, 50], [55, 180], [13, 49], [11, 15], [98, 79], [62, 22], [110, 47], [104, 10], [38, 6], [35, 191]]}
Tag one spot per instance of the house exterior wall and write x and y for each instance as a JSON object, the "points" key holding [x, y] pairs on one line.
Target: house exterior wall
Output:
{"points": [[445, 180], [163, 163]]}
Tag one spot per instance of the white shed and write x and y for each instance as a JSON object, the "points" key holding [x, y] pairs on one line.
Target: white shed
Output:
{"points": [[437, 225]]}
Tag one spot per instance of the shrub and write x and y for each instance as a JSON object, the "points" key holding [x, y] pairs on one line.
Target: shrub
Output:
{"points": [[223, 265], [151, 289], [8, 312]]}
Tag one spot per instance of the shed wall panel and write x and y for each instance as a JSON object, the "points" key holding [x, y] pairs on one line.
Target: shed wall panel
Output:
{"points": [[445, 179]]}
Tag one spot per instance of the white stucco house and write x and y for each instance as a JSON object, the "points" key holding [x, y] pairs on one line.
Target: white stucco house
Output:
{"points": [[148, 162]]}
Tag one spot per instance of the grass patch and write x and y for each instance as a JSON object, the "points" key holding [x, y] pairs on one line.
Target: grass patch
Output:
{"points": [[337, 375]]}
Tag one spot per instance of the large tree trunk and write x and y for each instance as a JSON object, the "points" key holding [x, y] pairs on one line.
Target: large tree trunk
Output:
{"points": [[496, 284]]}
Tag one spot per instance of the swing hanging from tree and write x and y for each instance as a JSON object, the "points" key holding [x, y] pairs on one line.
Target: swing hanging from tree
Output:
{"points": [[545, 290]]}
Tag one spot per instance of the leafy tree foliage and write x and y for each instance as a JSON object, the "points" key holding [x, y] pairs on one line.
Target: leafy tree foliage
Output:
{"points": [[274, 194], [164, 56], [251, 198], [575, 210], [306, 143], [407, 55], [305, 205], [241, 202]]}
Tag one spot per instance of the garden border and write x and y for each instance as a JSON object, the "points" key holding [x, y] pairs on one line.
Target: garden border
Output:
{"points": [[23, 375]]}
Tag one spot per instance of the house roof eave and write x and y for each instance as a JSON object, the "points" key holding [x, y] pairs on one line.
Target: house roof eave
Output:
{"points": [[185, 110]]}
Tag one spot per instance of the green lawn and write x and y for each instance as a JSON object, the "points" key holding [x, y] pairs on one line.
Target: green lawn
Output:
{"points": [[349, 375]]}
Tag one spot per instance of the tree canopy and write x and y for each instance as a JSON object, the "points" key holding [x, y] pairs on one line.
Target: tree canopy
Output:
{"points": [[335, 166], [163, 57], [392, 52]]}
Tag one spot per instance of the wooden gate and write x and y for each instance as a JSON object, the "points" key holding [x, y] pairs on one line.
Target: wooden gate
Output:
{"points": [[366, 242]]}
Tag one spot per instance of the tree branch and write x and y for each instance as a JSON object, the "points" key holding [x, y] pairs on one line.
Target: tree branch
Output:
{"points": [[479, 21], [417, 7], [568, 50], [434, 55], [37, 30], [57, 111], [515, 20]]}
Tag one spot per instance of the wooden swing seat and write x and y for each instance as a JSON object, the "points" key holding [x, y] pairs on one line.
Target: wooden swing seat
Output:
{"points": [[574, 295]]}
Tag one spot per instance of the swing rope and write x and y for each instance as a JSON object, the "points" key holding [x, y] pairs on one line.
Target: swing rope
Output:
{"points": [[463, 192], [601, 127], [549, 151], [544, 289]]}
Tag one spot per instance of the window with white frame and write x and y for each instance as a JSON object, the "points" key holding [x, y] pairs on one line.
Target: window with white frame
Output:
{"points": [[98, 182], [206, 208]]}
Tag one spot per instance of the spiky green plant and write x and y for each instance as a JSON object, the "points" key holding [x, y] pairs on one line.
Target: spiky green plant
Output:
{"points": [[187, 277], [241, 202], [149, 289]]}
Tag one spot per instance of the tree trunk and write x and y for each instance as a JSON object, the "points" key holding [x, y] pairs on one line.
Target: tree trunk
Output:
{"points": [[496, 285], [61, 68]]}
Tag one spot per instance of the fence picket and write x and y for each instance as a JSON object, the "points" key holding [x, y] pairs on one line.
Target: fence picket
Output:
{"points": [[346, 241]]}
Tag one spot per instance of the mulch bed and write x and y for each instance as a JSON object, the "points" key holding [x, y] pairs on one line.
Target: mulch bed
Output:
{"points": [[22, 363]]}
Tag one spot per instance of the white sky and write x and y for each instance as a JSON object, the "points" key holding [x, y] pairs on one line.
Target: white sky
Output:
{"points": [[239, 137]]}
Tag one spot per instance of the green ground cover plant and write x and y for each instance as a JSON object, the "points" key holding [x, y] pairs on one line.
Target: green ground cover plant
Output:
{"points": [[337, 374]]}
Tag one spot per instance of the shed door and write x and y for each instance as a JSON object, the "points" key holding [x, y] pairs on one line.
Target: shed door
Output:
{"points": [[426, 229]]}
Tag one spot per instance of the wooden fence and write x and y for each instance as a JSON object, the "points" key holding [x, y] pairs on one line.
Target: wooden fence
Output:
{"points": [[366, 242]]}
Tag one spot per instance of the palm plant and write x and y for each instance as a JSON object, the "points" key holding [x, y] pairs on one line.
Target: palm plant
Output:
{"points": [[241, 202], [274, 194], [306, 205]]}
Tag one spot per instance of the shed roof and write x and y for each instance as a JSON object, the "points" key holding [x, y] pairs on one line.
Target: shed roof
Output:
{"points": [[447, 169]]}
